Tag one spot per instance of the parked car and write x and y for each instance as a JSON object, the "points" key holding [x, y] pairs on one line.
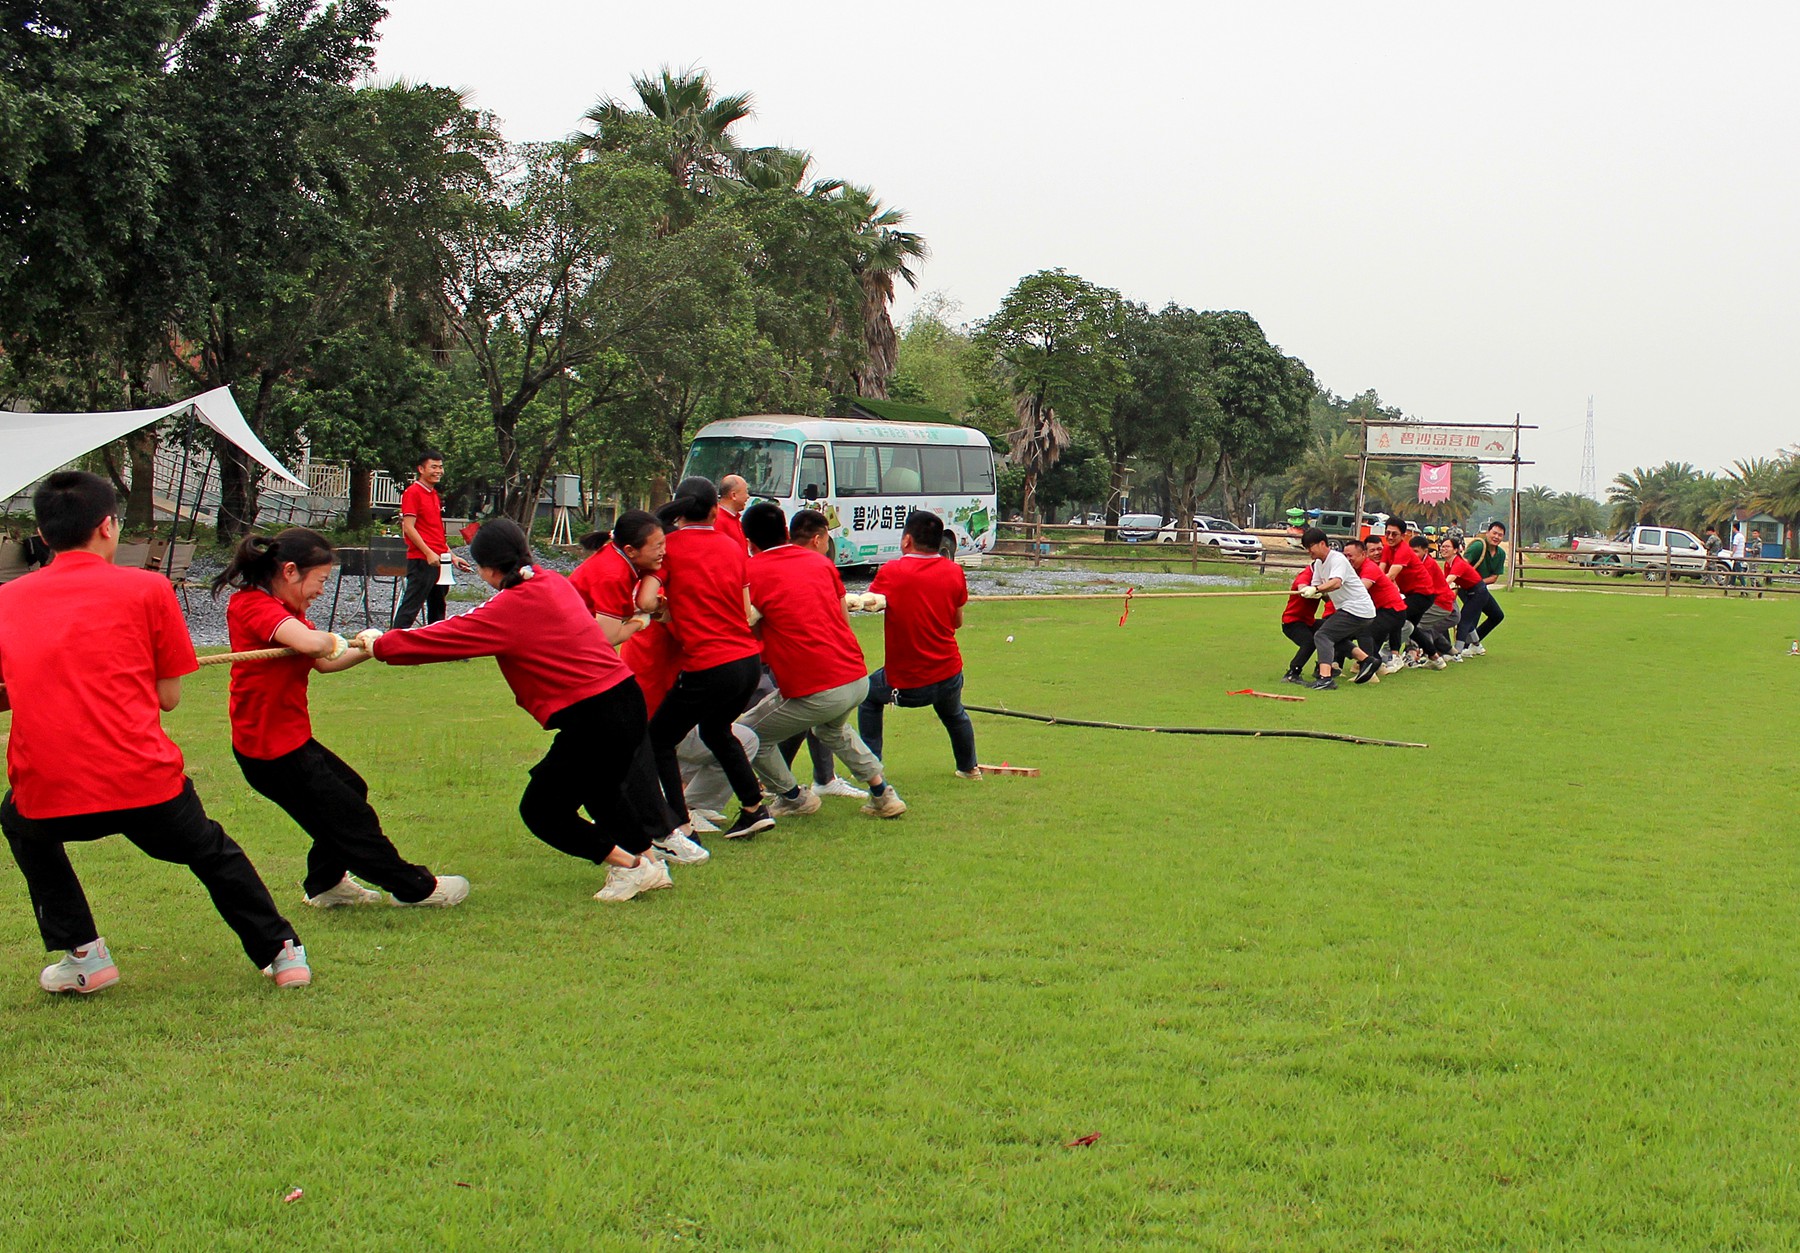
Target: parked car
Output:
{"points": [[1340, 525], [1227, 537], [1655, 550], [1140, 528]]}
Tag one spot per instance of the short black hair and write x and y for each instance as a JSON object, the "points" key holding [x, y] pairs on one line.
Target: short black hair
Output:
{"points": [[430, 454], [926, 529], [764, 526], [1312, 535], [1421, 543], [805, 524], [70, 506], [1396, 521], [1495, 522]]}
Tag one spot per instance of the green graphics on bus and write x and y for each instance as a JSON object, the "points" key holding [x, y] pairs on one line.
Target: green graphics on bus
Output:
{"points": [[864, 476]]}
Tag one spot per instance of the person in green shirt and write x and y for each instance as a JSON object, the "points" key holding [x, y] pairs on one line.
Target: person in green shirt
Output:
{"points": [[1481, 613]]}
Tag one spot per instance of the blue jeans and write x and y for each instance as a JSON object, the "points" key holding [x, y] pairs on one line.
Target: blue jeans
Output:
{"points": [[944, 696]]}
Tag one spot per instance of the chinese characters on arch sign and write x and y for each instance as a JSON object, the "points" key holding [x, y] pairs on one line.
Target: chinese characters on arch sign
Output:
{"points": [[1415, 441]]}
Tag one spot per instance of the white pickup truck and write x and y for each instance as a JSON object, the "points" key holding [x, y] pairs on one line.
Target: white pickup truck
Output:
{"points": [[1653, 551]]}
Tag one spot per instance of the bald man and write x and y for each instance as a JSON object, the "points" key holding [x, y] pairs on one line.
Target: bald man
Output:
{"points": [[734, 494]]}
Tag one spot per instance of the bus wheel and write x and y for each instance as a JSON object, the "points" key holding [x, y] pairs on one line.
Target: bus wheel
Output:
{"points": [[947, 546]]}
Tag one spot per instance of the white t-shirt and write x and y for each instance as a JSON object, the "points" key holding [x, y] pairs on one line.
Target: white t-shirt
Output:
{"points": [[1737, 544], [1352, 598]]}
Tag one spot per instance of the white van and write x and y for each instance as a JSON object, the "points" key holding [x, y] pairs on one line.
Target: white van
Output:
{"points": [[864, 476]]}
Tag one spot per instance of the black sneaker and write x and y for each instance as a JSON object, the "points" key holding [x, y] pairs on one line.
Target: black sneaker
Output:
{"points": [[1366, 672], [1323, 685], [1293, 676], [749, 822]]}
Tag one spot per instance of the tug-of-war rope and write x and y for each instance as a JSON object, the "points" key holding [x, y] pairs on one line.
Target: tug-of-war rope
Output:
{"points": [[1250, 732]]}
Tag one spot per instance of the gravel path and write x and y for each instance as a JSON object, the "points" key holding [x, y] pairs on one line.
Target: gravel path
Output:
{"points": [[206, 617]]}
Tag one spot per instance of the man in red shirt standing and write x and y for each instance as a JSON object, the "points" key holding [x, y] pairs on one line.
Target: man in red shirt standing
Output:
{"points": [[817, 664], [1403, 565], [427, 548], [925, 598], [90, 655], [734, 495]]}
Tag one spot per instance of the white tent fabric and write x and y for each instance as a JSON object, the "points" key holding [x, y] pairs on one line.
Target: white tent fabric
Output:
{"points": [[34, 444]]}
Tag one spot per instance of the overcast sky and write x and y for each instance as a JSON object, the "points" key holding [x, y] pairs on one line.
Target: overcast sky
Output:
{"points": [[1475, 211]]}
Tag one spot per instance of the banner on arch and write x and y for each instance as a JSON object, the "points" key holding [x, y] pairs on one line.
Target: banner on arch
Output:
{"points": [[1420, 441], [1434, 483]]}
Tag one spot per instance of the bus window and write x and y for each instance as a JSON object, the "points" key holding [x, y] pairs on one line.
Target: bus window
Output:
{"points": [[855, 467], [766, 464], [812, 485], [941, 471], [977, 470], [900, 470]]}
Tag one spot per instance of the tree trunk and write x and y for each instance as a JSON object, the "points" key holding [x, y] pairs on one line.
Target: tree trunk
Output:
{"points": [[361, 514], [140, 503], [1030, 501], [237, 491]]}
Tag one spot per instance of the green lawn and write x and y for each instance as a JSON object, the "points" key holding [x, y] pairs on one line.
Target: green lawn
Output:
{"points": [[1533, 987]]}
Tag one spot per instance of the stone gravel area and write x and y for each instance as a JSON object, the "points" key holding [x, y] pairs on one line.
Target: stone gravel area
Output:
{"points": [[206, 617]]}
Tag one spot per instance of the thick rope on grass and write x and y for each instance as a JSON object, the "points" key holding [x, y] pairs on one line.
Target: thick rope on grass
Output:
{"points": [[1242, 731]]}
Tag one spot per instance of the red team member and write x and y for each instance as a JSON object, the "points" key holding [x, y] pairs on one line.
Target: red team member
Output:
{"points": [[563, 672], [925, 598], [277, 578], [90, 655], [427, 548], [1299, 619]]}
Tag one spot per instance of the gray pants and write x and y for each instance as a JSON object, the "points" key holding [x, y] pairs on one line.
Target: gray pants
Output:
{"points": [[703, 781], [827, 714]]}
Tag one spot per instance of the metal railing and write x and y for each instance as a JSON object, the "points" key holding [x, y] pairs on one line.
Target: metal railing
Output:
{"points": [[1040, 542], [1664, 571]]}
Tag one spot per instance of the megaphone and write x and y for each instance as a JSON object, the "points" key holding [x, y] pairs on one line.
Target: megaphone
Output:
{"points": [[446, 578]]}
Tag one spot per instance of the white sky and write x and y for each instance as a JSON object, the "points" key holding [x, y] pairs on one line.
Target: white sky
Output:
{"points": [[1475, 211]]}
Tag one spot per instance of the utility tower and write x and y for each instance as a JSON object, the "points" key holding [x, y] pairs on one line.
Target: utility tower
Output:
{"points": [[1588, 487]]}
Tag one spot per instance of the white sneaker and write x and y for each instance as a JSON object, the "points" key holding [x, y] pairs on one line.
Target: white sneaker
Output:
{"points": [[969, 774], [452, 889], [346, 891], [83, 970], [840, 787], [1477, 650], [681, 850], [704, 826], [805, 803], [713, 816], [625, 882], [887, 805], [1393, 665], [1438, 663]]}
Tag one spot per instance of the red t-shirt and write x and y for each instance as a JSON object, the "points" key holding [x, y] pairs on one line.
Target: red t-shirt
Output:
{"points": [[1463, 574], [806, 639], [269, 718], [729, 523], [1299, 608], [705, 586], [551, 651], [655, 658], [607, 582], [1382, 590], [1441, 591], [426, 508], [1411, 580], [923, 594], [82, 644]]}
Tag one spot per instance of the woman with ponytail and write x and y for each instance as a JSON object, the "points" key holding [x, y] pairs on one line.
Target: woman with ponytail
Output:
{"points": [[563, 672], [709, 609], [275, 580]]}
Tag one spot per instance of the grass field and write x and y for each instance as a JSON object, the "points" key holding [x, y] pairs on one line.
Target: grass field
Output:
{"points": [[1532, 987]]}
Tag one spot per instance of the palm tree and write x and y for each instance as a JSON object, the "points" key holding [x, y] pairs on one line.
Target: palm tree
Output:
{"points": [[1777, 490], [1576, 514], [1037, 444], [879, 251], [1537, 511], [1652, 496], [1325, 475]]}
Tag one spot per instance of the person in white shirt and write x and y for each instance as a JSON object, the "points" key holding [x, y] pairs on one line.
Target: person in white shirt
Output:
{"points": [[1352, 620], [1737, 557]]}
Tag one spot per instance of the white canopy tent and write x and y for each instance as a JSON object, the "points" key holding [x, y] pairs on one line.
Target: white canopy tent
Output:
{"points": [[34, 444]]}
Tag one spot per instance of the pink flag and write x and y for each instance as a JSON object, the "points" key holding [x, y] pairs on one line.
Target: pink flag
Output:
{"points": [[1434, 484]]}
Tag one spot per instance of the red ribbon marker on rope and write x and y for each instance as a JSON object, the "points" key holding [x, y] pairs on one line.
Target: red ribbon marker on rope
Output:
{"points": [[1127, 613]]}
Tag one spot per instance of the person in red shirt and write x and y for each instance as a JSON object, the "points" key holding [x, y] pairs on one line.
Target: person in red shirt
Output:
{"points": [[817, 664], [1390, 605], [1476, 598], [563, 673], [276, 579], [427, 548], [1299, 618], [1401, 562], [91, 654], [708, 610], [925, 598], [734, 498], [1433, 631]]}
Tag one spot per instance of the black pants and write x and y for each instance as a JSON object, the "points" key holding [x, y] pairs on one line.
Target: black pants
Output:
{"points": [[1390, 625], [824, 766], [330, 801], [175, 831], [600, 761], [708, 699], [423, 591], [1343, 628], [1480, 615], [1301, 633]]}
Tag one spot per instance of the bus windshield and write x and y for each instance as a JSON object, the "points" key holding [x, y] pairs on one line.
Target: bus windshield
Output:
{"points": [[766, 464]]}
